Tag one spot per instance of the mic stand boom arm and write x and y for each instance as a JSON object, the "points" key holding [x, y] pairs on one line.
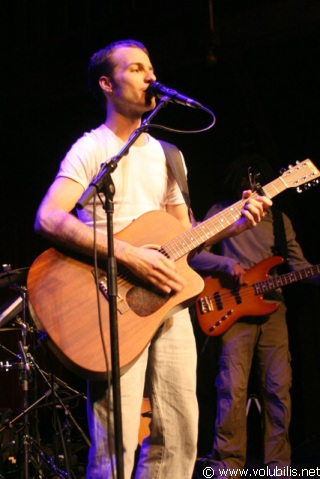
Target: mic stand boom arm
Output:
{"points": [[103, 183]]}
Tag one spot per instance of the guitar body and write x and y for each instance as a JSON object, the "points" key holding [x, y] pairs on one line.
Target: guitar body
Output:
{"points": [[63, 301], [219, 306]]}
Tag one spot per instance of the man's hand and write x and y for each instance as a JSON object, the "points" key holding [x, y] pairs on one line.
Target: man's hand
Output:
{"points": [[151, 266], [253, 211], [239, 274]]}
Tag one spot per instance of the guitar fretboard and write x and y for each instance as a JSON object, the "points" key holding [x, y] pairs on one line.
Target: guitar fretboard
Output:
{"points": [[275, 282], [195, 237], [294, 177]]}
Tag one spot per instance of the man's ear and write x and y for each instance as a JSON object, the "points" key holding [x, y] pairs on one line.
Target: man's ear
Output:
{"points": [[106, 84]]}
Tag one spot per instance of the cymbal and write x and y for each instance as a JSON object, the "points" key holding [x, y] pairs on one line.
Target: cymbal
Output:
{"points": [[15, 276]]}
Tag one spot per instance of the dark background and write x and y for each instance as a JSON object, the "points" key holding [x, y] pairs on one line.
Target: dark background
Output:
{"points": [[254, 63]]}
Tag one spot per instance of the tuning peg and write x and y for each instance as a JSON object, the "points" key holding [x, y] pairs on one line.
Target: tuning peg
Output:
{"points": [[282, 171], [299, 189]]}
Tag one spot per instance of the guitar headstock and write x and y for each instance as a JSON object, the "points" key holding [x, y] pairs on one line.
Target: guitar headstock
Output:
{"points": [[301, 176]]}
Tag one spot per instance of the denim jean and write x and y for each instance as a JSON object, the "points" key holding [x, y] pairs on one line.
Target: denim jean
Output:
{"points": [[167, 371]]}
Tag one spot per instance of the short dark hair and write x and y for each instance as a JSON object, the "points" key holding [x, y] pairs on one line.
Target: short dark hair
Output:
{"points": [[101, 64]]}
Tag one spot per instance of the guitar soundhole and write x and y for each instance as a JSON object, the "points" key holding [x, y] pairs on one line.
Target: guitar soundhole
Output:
{"points": [[144, 302]]}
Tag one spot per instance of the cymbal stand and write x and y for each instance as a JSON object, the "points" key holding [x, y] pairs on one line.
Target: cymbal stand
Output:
{"points": [[25, 373], [7, 366], [29, 441], [25, 377], [52, 380], [33, 453]]}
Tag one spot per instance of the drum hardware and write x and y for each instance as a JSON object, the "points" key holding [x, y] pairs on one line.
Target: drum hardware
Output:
{"points": [[9, 423], [10, 309], [50, 379], [8, 365], [37, 456], [62, 429], [40, 462], [34, 460], [2, 330], [11, 278]]}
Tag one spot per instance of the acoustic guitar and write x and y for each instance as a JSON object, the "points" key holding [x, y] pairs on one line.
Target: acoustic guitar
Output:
{"points": [[220, 305], [63, 294]]}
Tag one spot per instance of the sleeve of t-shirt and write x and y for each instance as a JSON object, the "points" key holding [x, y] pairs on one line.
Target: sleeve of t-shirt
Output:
{"points": [[82, 162]]}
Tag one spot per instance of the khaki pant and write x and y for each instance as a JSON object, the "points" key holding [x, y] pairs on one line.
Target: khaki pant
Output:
{"points": [[266, 338]]}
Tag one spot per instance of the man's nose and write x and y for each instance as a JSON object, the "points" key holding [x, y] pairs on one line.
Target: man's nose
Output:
{"points": [[151, 77]]}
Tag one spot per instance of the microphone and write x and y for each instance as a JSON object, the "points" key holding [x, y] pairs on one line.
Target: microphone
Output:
{"points": [[158, 90]]}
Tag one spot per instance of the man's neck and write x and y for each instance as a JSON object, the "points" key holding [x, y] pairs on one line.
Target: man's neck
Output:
{"points": [[123, 127]]}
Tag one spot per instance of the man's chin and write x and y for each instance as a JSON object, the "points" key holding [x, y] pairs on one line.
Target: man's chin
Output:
{"points": [[150, 102]]}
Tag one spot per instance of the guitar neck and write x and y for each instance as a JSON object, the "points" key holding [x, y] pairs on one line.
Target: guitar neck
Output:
{"points": [[195, 237], [271, 284], [294, 177]]}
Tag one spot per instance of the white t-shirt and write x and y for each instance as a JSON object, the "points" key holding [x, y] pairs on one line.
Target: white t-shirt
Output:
{"points": [[143, 180]]}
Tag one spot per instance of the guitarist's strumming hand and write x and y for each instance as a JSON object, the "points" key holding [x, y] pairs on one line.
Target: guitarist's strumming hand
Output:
{"points": [[239, 274], [153, 267]]}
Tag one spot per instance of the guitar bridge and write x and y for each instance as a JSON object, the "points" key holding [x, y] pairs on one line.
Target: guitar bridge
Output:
{"points": [[122, 305]]}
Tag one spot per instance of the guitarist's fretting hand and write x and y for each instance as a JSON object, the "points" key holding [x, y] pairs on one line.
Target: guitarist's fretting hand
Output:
{"points": [[252, 213], [254, 209]]}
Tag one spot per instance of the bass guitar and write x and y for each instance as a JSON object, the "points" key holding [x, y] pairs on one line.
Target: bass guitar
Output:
{"points": [[63, 294], [220, 305]]}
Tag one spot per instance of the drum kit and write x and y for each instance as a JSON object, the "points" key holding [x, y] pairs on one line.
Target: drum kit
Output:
{"points": [[23, 452]]}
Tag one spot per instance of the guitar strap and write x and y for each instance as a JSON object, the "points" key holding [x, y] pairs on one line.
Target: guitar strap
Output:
{"points": [[280, 240], [174, 159]]}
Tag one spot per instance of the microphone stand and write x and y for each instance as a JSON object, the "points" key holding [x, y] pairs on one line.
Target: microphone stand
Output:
{"points": [[103, 183]]}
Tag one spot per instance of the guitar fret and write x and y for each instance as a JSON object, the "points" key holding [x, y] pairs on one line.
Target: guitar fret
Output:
{"points": [[195, 237], [274, 188], [183, 245], [206, 232], [234, 213]]}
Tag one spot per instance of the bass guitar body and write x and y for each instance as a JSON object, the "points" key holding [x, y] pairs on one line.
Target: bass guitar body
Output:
{"points": [[222, 303]]}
